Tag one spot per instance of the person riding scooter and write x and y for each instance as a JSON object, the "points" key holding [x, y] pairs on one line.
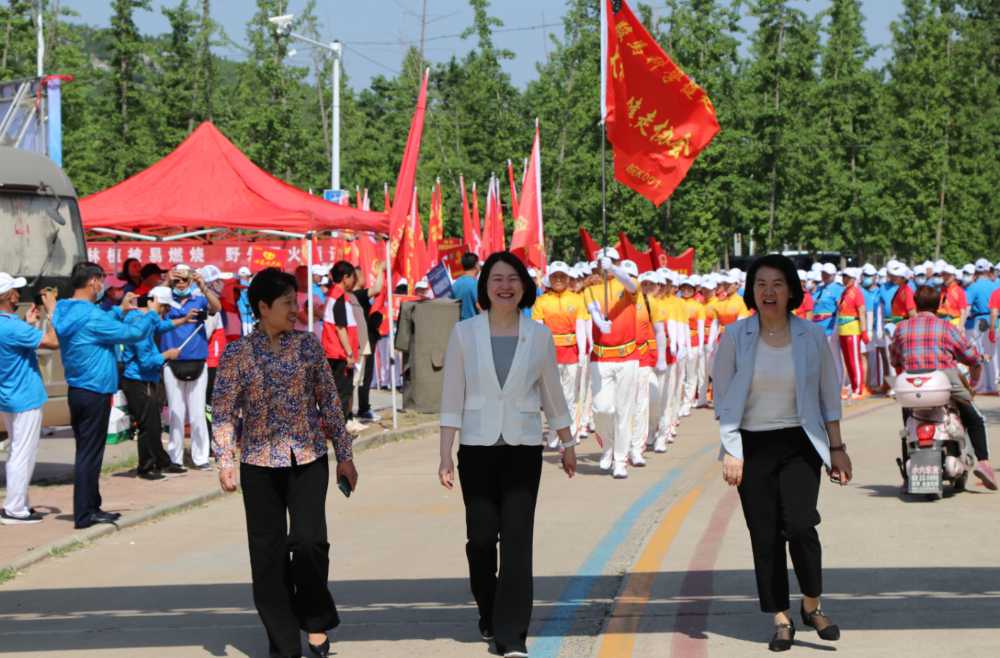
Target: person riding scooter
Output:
{"points": [[927, 342]]}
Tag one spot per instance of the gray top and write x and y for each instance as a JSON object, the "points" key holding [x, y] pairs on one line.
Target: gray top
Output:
{"points": [[503, 358]]}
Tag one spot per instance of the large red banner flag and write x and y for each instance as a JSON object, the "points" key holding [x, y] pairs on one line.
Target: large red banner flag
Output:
{"points": [[658, 120], [528, 236], [513, 188], [641, 260], [401, 202], [657, 254], [435, 229]]}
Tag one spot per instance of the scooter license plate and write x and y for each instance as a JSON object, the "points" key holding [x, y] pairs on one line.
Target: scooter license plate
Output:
{"points": [[925, 472]]}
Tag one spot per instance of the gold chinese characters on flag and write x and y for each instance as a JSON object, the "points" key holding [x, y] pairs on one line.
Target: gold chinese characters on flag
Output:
{"points": [[658, 119]]}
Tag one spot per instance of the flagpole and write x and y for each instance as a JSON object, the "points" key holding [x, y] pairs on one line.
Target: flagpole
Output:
{"points": [[604, 218]]}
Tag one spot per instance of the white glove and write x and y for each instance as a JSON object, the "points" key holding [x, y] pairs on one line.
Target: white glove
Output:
{"points": [[606, 264], [604, 326], [673, 348], [701, 350], [661, 366], [582, 358]]}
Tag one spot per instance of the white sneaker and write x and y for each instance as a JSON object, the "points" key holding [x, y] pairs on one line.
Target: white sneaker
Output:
{"points": [[607, 460], [637, 459], [591, 428], [620, 472], [685, 414], [661, 446], [583, 435]]}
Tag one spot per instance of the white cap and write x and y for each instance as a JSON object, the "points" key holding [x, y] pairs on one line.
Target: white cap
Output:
{"points": [[968, 268], [939, 268], [181, 267], [8, 283], [402, 282], [325, 281], [828, 268], [243, 271], [735, 272], [731, 278], [319, 270], [816, 267], [593, 266], [675, 278], [896, 269], [849, 272], [557, 266], [532, 272], [869, 269], [612, 253], [891, 263], [949, 269], [686, 281], [545, 281], [113, 282], [983, 265], [815, 276], [802, 275], [926, 265], [883, 271], [210, 273], [694, 280], [164, 296], [661, 277], [422, 283], [630, 267], [663, 270], [652, 277], [839, 279], [941, 262]]}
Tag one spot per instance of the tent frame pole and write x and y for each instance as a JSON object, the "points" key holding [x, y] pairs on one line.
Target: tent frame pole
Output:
{"points": [[392, 341]]}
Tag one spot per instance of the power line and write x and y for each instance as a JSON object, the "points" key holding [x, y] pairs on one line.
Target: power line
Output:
{"points": [[449, 36]]}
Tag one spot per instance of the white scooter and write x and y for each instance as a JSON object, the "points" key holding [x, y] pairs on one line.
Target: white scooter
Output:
{"points": [[935, 437]]}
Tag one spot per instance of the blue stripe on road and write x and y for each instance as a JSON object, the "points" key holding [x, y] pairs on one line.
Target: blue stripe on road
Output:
{"points": [[550, 637]]}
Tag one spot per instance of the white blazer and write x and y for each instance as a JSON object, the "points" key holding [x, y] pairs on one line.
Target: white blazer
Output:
{"points": [[474, 402], [817, 393]]}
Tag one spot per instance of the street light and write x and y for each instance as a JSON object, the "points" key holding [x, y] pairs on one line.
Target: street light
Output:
{"points": [[283, 24]]}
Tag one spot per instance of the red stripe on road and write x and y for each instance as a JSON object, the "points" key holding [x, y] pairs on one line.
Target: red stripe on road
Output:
{"points": [[691, 625]]}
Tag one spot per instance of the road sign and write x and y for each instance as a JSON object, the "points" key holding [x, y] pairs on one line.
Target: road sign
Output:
{"points": [[341, 197]]}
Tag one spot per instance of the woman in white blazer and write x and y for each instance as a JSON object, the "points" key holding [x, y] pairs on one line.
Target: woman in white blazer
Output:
{"points": [[777, 400], [500, 370]]}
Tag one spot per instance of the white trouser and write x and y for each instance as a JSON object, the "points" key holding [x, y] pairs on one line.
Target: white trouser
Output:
{"points": [[383, 363], [669, 382], [987, 380], [614, 384], [23, 429], [834, 342], [641, 415], [696, 381], [586, 398], [683, 373], [705, 365], [658, 383], [187, 398], [569, 378]]}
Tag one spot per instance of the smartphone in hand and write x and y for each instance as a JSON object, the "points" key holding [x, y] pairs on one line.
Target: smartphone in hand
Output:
{"points": [[142, 301], [344, 486], [201, 316]]}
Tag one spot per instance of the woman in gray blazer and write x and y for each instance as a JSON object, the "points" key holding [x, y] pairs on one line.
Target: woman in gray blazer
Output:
{"points": [[777, 400]]}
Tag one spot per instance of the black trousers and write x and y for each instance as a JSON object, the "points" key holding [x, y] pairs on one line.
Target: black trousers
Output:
{"points": [[779, 492], [975, 428], [289, 567], [344, 379], [500, 489], [89, 414], [145, 408], [364, 391]]}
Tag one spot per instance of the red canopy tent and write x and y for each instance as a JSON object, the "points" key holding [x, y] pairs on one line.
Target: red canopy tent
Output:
{"points": [[207, 183]]}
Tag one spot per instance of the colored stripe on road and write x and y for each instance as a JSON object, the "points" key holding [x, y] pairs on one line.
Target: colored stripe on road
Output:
{"points": [[691, 624], [619, 639], [552, 634]]}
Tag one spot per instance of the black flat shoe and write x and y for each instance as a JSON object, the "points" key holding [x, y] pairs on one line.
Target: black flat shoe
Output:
{"points": [[831, 633], [778, 643], [485, 631], [322, 650]]}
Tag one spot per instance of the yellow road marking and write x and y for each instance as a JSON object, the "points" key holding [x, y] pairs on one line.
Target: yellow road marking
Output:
{"points": [[620, 636]]}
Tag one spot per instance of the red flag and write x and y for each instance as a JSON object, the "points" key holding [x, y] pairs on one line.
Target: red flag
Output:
{"points": [[527, 241], [656, 252], [402, 204], [514, 206], [262, 258], [658, 119], [683, 263], [493, 235], [589, 246], [641, 260], [499, 243], [470, 230], [435, 230], [481, 247]]}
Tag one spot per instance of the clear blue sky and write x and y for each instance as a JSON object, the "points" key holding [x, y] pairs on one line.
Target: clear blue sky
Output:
{"points": [[376, 32]]}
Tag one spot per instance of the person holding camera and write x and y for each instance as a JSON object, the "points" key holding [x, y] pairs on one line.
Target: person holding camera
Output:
{"points": [[22, 394], [89, 338], [185, 378], [143, 363]]}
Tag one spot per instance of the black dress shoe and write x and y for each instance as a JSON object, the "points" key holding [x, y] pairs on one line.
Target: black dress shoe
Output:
{"points": [[831, 633], [322, 650], [98, 517], [779, 643], [152, 476], [485, 630]]}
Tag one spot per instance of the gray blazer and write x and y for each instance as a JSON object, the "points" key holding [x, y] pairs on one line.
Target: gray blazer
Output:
{"points": [[817, 392]]}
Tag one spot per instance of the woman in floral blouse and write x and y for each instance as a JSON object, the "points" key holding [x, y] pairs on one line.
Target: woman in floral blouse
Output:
{"points": [[280, 381]]}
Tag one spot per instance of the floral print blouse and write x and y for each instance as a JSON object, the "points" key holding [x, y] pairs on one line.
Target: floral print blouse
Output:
{"points": [[289, 403]]}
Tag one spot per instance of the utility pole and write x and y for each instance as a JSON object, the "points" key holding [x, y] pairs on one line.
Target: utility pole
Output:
{"points": [[37, 13]]}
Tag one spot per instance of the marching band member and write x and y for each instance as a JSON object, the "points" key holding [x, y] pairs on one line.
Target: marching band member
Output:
{"points": [[651, 337], [562, 311], [614, 367], [694, 375]]}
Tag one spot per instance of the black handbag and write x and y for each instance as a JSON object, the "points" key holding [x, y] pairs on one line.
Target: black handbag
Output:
{"points": [[187, 371]]}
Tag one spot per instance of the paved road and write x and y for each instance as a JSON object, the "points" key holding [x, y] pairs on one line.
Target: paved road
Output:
{"points": [[657, 565]]}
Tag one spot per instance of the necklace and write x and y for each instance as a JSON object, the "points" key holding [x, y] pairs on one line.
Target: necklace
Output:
{"points": [[504, 329], [771, 333]]}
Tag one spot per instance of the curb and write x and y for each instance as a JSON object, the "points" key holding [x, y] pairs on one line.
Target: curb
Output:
{"points": [[88, 535]]}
